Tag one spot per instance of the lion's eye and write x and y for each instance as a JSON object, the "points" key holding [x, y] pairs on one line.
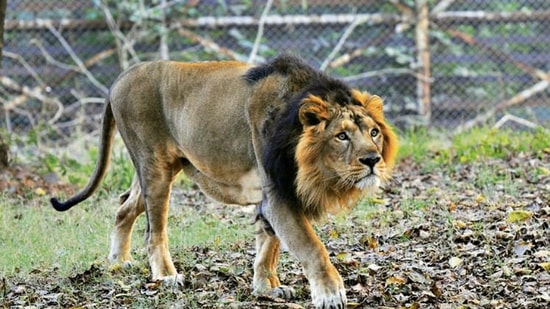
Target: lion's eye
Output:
{"points": [[342, 136], [374, 132]]}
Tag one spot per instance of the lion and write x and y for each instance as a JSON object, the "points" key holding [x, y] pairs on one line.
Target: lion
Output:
{"points": [[281, 135]]}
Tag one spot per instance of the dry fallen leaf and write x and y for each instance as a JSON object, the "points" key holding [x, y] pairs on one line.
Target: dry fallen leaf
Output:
{"points": [[454, 262], [452, 206], [435, 290], [39, 191], [333, 234], [373, 268], [480, 198], [352, 305], [395, 280], [459, 224], [372, 243], [542, 253], [519, 215]]}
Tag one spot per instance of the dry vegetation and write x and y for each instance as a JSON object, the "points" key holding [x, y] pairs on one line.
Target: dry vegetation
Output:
{"points": [[462, 226]]}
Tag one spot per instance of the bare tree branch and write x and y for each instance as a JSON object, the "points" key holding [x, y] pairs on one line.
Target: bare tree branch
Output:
{"points": [[517, 99], [3, 5], [163, 48], [388, 71], [260, 33], [210, 44], [77, 60], [343, 38], [534, 72], [405, 10], [124, 45], [324, 19], [441, 6], [507, 118], [422, 32], [51, 59], [346, 58], [26, 92], [27, 67]]}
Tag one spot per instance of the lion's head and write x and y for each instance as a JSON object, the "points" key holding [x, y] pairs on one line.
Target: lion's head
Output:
{"points": [[328, 144], [344, 151]]}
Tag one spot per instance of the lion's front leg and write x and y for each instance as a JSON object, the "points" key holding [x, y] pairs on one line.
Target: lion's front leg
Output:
{"points": [[296, 232]]}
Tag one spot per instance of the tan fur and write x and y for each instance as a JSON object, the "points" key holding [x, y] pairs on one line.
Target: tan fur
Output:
{"points": [[207, 120]]}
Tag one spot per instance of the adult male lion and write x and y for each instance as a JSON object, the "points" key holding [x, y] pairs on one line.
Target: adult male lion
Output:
{"points": [[281, 135]]}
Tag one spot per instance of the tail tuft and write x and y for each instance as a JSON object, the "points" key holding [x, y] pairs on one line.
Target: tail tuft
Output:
{"points": [[59, 206]]}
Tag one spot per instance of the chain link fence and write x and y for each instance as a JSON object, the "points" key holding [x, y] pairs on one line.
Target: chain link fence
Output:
{"points": [[451, 64]]}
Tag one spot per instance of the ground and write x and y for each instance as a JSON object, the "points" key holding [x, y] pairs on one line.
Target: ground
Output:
{"points": [[458, 233]]}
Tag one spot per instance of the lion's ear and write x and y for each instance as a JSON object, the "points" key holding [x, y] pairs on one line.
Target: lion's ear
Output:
{"points": [[376, 106], [372, 103], [313, 110]]}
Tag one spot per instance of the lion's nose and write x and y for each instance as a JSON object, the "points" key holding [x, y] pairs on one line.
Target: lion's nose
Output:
{"points": [[370, 160]]}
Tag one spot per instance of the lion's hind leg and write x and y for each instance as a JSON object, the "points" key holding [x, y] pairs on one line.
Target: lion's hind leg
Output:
{"points": [[266, 282], [131, 207], [157, 174]]}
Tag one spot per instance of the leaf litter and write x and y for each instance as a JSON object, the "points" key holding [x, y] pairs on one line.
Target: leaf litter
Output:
{"points": [[437, 239]]}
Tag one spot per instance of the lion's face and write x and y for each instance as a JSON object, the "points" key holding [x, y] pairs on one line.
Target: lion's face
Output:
{"points": [[344, 151]]}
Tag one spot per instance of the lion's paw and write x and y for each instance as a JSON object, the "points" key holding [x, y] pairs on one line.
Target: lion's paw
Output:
{"points": [[324, 297], [120, 265], [176, 279], [281, 291]]}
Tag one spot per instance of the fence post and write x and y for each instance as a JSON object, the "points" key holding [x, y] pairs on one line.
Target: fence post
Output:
{"points": [[3, 5], [423, 60]]}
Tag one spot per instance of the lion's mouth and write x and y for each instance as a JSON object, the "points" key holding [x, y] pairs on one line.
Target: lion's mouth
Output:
{"points": [[370, 181]]}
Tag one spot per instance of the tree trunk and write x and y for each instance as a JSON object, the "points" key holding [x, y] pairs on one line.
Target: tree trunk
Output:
{"points": [[4, 148], [3, 4], [423, 59]]}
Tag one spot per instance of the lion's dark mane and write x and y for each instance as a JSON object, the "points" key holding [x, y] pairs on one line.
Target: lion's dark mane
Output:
{"points": [[283, 129]]}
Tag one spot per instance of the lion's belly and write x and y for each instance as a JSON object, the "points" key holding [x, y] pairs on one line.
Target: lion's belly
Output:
{"points": [[228, 186], [249, 187]]}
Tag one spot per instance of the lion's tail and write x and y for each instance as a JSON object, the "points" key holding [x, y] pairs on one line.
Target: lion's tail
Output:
{"points": [[104, 156]]}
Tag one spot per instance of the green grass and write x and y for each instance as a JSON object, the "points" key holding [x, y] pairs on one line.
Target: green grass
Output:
{"points": [[437, 149], [34, 236]]}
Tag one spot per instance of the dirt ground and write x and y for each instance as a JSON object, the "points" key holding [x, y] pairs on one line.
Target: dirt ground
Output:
{"points": [[433, 240]]}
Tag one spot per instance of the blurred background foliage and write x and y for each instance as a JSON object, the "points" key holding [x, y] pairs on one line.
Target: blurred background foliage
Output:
{"points": [[450, 64]]}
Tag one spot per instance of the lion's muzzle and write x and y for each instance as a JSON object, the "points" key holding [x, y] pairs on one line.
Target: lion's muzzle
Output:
{"points": [[370, 160]]}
